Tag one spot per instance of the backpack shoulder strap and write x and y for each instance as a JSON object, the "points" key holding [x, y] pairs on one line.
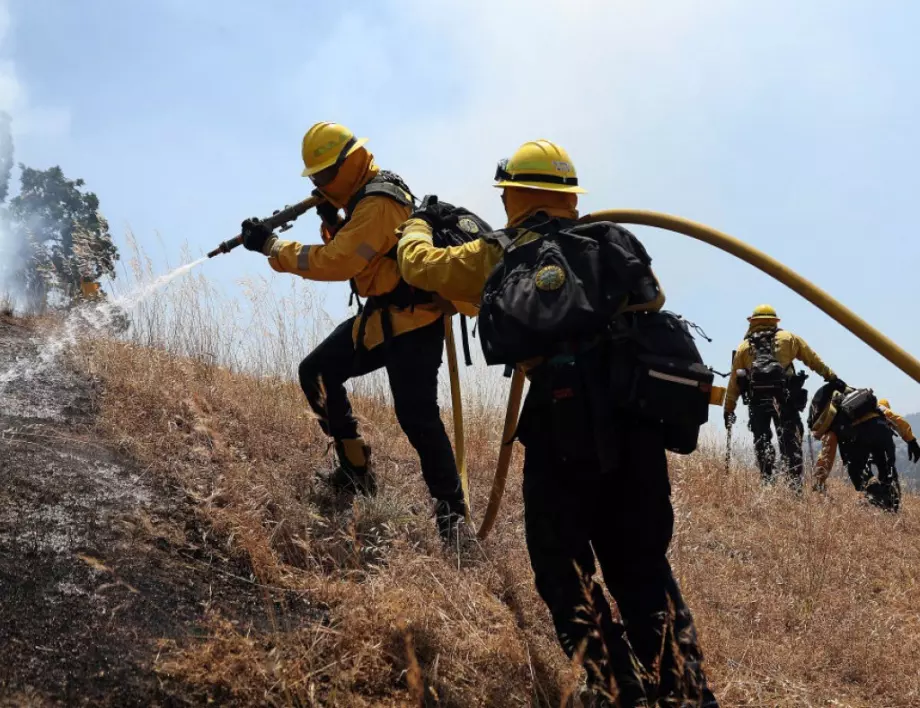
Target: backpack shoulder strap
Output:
{"points": [[465, 337], [384, 184], [539, 224], [504, 238]]}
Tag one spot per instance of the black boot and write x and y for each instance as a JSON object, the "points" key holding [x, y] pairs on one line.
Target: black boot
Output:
{"points": [[353, 475], [450, 515]]}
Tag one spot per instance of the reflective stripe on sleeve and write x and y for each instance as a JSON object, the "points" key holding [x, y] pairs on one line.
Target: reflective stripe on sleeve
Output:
{"points": [[366, 251], [303, 258]]}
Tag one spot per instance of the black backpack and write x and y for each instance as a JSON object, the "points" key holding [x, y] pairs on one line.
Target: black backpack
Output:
{"points": [[767, 378], [450, 225], [562, 292], [855, 404], [559, 288], [668, 382], [851, 405]]}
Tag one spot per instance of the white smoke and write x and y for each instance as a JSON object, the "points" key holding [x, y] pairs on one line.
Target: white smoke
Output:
{"points": [[10, 96], [19, 118]]}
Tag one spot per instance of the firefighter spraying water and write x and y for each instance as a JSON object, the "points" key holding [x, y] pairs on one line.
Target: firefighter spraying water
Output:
{"points": [[397, 327]]}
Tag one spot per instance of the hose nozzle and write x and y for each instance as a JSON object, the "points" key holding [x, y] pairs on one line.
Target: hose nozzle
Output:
{"points": [[280, 220], [226, 246]]}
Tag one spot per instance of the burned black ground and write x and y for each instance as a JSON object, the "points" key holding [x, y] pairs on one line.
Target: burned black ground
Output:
{"points": [[99, 560]]}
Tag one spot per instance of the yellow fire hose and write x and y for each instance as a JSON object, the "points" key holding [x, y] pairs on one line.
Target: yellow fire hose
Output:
{"points": [[456, 401], [504, 455], [815, 295], [772, 267]]}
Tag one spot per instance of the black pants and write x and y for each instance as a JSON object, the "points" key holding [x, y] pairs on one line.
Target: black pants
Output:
{"points": [[412, 361], [867, 444], [578, 510], [789, 430]]}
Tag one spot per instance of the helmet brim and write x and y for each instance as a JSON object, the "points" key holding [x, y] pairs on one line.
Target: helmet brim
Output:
{"points": [[359, 143], [542, 186]]}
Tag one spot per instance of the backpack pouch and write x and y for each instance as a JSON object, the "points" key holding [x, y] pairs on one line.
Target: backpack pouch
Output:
{"points": [[540, 301]]}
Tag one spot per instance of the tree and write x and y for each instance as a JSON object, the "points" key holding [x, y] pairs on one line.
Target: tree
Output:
{"points": [[59, 226]]}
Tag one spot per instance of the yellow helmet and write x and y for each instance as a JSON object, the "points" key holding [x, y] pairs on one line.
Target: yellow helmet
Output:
{"points": [[326, 145], [764, 312], [539, 164], [884, 402]]}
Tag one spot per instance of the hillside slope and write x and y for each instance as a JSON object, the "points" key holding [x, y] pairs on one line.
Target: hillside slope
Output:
{"points": [[100, 560], [188, 556]]}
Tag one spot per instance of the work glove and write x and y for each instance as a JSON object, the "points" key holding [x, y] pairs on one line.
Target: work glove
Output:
{"points": [[433, 212], [328, 212], [838, 384], [730, 419], [255, 234], [913, 450]]}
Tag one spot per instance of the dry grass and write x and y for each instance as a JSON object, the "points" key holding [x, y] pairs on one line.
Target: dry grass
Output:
{"points": [[799, 602], [246, 450]]}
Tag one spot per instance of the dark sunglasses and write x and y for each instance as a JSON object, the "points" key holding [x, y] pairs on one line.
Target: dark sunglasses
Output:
{"points": [[326, 176]]}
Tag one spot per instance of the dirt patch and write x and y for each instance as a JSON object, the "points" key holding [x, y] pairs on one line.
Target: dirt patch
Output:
{"points": [[99, 561]]}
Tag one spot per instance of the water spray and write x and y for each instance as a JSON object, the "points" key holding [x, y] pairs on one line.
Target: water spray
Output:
{"points": [[96, 316], [281, 220]]}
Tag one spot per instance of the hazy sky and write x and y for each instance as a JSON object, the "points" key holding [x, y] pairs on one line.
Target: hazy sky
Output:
{"points": [[791, 125]]}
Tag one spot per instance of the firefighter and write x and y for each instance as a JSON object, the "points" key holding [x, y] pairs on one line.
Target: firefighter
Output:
{"points": [[595, 487], [764, 375], [89, 289], [398, 328], [865, 438]]}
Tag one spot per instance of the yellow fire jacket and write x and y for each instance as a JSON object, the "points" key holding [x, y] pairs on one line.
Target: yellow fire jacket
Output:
{"points": [[358, 250], [829, 441], [901, 425], [787, 347]]}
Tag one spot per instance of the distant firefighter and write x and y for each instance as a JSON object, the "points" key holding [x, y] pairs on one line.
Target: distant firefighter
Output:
{"points": [[863, 428], [764, 376], [89, 289]]}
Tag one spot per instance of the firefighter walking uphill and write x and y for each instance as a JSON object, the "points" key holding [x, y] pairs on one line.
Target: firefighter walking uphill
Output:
{"points": [[863, 429], [554, 297], [764, 375], [398, 328]]}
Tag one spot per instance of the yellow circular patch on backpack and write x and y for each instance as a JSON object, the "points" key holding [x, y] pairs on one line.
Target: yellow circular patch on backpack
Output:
{"points": [[549, 277], [468, 225]]}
